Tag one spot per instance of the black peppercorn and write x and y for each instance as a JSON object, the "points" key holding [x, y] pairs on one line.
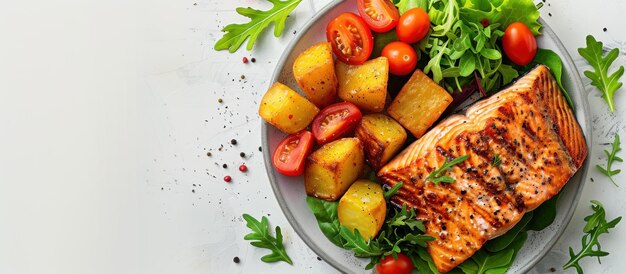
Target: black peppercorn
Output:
{"points": [[233, 142], [224, 165], [253, 59], [242, 155], [236, 260]]}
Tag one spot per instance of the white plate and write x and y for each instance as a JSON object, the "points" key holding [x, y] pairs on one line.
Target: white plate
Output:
{"points": [[290, 192]]}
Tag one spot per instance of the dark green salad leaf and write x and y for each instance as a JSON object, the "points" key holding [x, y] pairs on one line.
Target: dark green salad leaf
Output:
{"points": [[326, 214], [544, 214], [494, 263], [596, 226], [504, 241], [553, 61], [381, 39]]}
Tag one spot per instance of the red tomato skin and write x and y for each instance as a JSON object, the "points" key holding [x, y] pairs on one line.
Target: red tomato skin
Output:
{"points": [[402, 58], [338, 25], [403, 265], [413, 26], [386, 8], [294, 165], [346, 117], [519, 44]]}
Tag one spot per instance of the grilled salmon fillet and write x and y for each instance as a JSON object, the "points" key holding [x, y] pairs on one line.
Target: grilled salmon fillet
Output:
{"points": [[533, 131]]}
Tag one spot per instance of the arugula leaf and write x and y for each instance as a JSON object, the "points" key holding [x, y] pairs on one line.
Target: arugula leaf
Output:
{"points": [[502, 242], [612, 157], [596, 226], [261, 237], [600, 77], [356, 243], [326, 214], [503, 12], [544, 214], [392, 191], [438, 176], [236, 34]]}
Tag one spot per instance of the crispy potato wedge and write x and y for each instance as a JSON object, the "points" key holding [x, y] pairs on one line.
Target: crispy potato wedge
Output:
{"points": [[363, 207], [382, 138], [286, 109], [331, 169], [364, 85], [419, 104], [314, 71]]}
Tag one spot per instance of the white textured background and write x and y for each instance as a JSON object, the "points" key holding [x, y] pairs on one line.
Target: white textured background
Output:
{"points": [[107, 111]]}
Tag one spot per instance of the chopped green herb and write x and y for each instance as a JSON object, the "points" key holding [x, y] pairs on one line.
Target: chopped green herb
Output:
{"points": [[496, 160], [438, 176], [393, 190]]}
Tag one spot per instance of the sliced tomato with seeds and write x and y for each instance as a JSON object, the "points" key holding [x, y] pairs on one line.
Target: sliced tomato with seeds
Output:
{"points": [[291, 153], [350, 38], [380, 15], [335, 121]]}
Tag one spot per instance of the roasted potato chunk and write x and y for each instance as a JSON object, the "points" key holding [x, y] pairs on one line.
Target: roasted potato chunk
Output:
{"points": [[382, 137], [364, 85], [314, 71], [286, 109], [419, 104], [363, 207], [331, 169]]}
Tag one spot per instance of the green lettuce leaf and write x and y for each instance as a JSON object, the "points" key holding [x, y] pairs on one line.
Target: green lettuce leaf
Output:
{"points": [[503, 12]]}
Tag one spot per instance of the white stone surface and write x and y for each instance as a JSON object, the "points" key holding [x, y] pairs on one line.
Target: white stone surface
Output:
{"points": [[107, 111]]}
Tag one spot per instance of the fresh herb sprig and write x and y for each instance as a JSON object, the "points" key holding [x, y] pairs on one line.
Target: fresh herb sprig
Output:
{"points": [[496, 160], [261, 237], [600, 77], [596, 226], [236, 34], [438, 176], [612, 158]]}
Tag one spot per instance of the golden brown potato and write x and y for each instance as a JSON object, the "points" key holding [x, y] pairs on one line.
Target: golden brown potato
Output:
{"points": [[314, 71], [286, 109], [363, 207], [364, 85], [419, 104], [331, 169], [382, 137]]}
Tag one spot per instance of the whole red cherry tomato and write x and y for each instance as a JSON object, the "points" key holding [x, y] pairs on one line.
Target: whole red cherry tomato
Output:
{"points": [[403, 265], [519, 44], [413, 25]]}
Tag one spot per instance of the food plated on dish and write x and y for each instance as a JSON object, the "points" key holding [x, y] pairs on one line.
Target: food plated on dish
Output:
{"points": [[437, 150]]}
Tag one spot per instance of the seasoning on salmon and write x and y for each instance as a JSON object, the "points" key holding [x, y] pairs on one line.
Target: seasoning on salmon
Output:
{"points": [[538, 142]]}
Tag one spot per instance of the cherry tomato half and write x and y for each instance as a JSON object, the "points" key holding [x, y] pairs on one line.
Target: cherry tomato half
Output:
{"points": [[413, 25], [291, 153], [350, 38], [519, 44], [403, 265], [335, 121], [380, 15], [402, 58]]}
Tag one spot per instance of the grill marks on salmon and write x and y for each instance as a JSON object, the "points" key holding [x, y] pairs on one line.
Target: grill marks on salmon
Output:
{"points": [[535, 134]]}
